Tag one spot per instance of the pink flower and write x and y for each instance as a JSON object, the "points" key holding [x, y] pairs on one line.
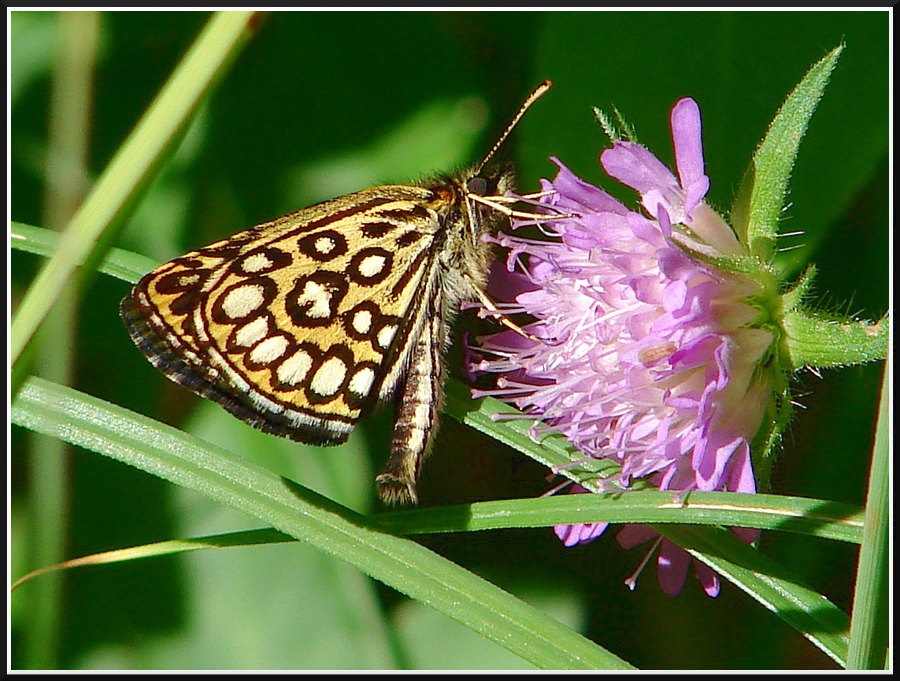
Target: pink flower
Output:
{"points": [[649, 351]]}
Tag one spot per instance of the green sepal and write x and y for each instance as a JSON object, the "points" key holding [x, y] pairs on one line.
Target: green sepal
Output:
{"points": [[760, 199], [814, 339]]}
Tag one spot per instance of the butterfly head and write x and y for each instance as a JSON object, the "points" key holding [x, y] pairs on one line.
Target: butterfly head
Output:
{"points": [[495, 181]]}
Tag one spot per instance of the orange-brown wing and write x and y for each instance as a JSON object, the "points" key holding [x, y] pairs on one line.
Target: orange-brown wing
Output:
{"points": [[293, 325]]}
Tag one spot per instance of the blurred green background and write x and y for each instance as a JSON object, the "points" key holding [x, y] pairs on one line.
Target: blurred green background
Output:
{"points": [[322, 103]]}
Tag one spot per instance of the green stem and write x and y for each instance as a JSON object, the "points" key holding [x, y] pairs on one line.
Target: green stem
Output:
{"points": [[869, 629], [131, 170], [66, 183]]}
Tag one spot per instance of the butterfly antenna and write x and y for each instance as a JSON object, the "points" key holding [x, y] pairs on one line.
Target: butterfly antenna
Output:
{"points": [[539, 92]]}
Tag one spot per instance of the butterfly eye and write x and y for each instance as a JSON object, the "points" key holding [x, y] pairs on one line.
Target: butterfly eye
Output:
{"points": [[477, 185]]}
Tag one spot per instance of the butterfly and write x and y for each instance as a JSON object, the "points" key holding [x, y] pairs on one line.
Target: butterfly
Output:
{"points": [[303, 325]]}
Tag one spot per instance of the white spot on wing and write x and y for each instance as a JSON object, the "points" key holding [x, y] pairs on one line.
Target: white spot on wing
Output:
{"points": [[386, 335], [362, 380], [242, 301], [324, 245], [371, 265], [256, 263], [329, 377], [269, 350], [362, 321], [253, 332], [294, 369], [318, 298]]}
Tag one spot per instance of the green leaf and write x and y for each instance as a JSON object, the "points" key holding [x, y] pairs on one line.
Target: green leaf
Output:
{"points": [[553, 450], [236, 482], [772, 585], [760, 200], [813, 517], [117, 262], [410, 568]]}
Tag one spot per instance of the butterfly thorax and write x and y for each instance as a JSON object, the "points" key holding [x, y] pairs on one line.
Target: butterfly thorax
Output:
{"points": [[464, 255]]}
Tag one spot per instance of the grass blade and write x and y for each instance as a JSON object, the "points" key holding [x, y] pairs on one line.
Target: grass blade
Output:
{"points": [[232, 480]]}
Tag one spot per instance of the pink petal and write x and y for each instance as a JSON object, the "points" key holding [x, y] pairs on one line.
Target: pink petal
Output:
{"points": [[708, 579], [686, 134], [579, 192], [636, 167], [672, 567]]}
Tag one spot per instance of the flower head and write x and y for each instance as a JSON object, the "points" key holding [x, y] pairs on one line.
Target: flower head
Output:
{"points": [[643, 349]]}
